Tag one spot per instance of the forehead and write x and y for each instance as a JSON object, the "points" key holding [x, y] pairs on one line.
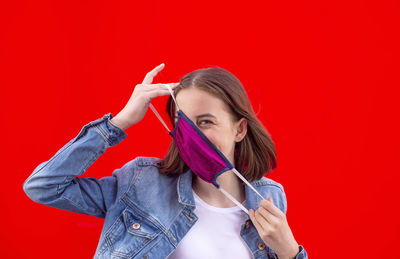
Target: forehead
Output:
{"points": [[193, 101]]}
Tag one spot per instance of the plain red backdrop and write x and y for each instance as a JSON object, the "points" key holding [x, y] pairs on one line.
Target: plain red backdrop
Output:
{"points": [[322, 76]]}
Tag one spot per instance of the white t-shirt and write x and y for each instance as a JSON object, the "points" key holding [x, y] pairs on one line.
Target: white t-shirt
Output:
{"points": [[215, 235]]}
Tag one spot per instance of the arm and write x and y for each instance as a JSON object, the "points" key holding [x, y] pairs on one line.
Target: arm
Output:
{"points": [[56, 183]]}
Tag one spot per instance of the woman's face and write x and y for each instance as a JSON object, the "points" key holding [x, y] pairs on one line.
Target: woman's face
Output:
{"points": [[211, 115]]}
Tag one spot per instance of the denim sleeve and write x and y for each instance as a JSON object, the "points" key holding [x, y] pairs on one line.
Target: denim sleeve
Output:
{"points": [[56, 183], [302, 253]]}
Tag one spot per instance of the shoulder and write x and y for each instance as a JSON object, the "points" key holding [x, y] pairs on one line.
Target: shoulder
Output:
{"points": [[268, 187], [141, 161], [267, 182], [147, 161], [142, 175]]}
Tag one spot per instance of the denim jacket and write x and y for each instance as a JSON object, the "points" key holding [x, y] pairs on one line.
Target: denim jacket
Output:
{"points": [[146, 214]]}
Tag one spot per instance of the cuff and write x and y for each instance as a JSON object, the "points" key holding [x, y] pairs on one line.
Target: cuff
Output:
{"points": [[111, 133], [302, 253]]}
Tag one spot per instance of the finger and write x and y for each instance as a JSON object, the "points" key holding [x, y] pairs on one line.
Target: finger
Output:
{"points": [[254, 220], [263, 222], [271, 219], [155, 92], [159, 86], [162, 84], [148, 79], [269, 205], [172, 85]]}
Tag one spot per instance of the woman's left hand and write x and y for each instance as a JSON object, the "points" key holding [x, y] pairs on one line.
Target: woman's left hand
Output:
{"points": [[274, 230]]}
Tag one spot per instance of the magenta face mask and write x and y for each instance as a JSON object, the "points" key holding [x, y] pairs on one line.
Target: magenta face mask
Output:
{"points": [[200, 155], [203, 157]]}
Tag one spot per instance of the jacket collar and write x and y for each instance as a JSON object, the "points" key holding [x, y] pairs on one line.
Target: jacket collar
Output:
{"points": [[185, 192]]}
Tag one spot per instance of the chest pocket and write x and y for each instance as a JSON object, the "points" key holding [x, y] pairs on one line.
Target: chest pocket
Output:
{"points": [[130, 233]]}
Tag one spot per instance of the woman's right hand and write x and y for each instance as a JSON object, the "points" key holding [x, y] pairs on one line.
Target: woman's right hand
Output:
{"points": [[136, 108]]}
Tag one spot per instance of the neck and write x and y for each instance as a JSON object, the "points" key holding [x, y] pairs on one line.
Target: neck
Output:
{"points": [[211, 195]]}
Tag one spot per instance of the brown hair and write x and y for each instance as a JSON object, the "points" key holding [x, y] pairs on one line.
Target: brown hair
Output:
{"points": [[255, 155]]}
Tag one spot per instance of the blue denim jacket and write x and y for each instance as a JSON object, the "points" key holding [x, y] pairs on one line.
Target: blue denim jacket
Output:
{"points": [[146, 214]]}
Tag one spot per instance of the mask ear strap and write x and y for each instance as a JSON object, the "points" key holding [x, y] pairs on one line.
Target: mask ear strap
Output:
{"points": [[172, 94], [155, 111], [244, 180], [158, 116], [233, 199]]}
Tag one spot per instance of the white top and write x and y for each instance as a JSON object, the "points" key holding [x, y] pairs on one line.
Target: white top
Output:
{"points": [[215, 235]]}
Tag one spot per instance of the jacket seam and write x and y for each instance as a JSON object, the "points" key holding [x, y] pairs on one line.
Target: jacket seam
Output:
{"points": [[134, 252], [103, 134], [260, 184], [145, 253], [144, 215], [119, 198], [135, 176]]}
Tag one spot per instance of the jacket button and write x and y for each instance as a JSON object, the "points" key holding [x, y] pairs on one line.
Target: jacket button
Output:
{"points": [[136, 226], [261, 246], [248, 224]]}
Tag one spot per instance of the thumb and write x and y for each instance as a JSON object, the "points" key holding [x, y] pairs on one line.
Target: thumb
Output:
{"points": [[270, 199]]}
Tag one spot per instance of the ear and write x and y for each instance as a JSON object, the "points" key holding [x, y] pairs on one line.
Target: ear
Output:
{"points": [[241, 129]]}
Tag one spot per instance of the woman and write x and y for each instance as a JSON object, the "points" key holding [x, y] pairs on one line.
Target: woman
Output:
{"points": [[159, 208]]}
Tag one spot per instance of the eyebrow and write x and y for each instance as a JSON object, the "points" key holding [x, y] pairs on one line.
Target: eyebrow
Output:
{"points": [[205, 115], [201, 115]]}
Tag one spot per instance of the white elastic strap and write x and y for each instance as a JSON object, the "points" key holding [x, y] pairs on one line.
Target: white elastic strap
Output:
{"points": [[172, 94], [155, 111], [233, 200], [244, 180], [158, 116]]}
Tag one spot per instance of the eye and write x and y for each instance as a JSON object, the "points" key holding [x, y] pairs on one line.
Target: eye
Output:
{"points": [[206, 122]]}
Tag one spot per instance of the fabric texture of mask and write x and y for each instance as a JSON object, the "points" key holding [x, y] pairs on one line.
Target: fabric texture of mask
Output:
{"points": [[200, 155]]}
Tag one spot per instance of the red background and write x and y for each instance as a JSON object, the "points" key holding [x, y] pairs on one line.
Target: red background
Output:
{"points": [[323, 77]]}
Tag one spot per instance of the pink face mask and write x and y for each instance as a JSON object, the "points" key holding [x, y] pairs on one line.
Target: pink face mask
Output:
{"points": [[201, 156]]}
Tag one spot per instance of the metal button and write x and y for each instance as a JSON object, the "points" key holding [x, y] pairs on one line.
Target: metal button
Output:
{"points": [[261, 246], [248, 224], [136, 226]]}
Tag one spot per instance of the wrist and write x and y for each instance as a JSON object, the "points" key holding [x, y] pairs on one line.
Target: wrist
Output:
{"points": [[290, 255], [119, 123]]}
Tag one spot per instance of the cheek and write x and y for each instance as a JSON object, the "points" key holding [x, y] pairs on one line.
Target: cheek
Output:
{"points": [[218, 140], [212, 137]]}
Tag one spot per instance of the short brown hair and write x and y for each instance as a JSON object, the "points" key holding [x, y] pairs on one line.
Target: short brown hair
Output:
{"points": [[255, 155]]}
